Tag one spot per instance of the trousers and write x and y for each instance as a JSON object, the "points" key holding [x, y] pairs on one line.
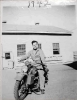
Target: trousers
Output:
{"points": [[42, 78]]}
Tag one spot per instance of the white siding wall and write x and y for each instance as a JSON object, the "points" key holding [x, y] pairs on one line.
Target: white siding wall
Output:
{"points": [[9, 43], [74, 40], [74, 35]]}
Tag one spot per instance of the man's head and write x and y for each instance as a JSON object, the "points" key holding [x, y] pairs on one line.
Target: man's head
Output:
{"points": [[35, 45]]}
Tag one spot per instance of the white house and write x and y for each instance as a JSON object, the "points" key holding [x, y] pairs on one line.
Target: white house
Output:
{"points": [[51, 27], [55, 42]]}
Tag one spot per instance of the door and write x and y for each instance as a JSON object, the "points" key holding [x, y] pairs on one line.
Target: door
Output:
{"points": [[7, 60]]}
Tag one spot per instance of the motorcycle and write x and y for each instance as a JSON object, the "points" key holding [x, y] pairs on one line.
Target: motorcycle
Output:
{"points": [[27, 81]]}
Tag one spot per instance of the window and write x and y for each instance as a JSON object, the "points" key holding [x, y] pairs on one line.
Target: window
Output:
{"points": [[56, 49], [39, 45], [21, 49], [75, 55], [7, 56]]}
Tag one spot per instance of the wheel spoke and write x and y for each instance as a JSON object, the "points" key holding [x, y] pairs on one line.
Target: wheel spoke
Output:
{"points": [[20, 90]]}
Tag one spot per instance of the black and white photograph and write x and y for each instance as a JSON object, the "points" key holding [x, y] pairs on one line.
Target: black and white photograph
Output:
{"points": [[39, 50]]}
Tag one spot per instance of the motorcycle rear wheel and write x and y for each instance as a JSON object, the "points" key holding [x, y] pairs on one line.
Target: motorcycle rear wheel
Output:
{"points": [[17, 89]]}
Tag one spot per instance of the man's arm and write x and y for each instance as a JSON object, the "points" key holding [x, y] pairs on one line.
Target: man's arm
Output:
{"points": [[25, 57], [42, 56], [43, 61]]}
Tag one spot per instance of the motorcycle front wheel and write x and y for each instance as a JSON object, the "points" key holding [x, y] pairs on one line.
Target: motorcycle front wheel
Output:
{"points": [[20, 90]]}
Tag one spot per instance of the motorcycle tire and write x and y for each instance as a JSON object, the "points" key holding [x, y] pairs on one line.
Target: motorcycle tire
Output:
{"points": [[16, 92]]}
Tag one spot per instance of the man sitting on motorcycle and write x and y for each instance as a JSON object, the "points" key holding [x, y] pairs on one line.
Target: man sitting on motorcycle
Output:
{"points": [[38, 58]]}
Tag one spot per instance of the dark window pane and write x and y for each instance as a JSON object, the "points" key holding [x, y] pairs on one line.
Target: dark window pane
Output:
{"points": [[55, 49], [55, 52], [7, 55], [21, 49]]}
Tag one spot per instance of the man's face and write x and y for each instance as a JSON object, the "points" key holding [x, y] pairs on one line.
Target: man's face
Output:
{"points": [[35, 45]]}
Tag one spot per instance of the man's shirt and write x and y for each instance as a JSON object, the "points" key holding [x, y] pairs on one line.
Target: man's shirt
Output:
{"points": [[36, 55]]}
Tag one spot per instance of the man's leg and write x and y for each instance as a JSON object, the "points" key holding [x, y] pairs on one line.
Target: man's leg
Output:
{"points": [[45, 73], [42, 79]]}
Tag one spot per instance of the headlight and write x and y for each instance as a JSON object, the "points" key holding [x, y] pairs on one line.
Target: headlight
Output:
{"points": [[24, 69]]}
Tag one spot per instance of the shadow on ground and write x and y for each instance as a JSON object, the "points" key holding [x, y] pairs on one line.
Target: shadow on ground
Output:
{"points": [[72, 65]]}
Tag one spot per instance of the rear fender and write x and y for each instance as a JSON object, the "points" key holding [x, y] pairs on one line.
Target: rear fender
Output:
{"points": [[19, 76]]}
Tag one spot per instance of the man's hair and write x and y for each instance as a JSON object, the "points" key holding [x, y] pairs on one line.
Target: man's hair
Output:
{"points": [[34, 42]]}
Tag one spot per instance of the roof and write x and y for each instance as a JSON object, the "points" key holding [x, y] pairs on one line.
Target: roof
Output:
{"points": [[33, 29]]}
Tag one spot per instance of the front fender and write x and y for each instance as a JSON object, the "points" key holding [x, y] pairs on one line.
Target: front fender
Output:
{"points": [[19, 76]]}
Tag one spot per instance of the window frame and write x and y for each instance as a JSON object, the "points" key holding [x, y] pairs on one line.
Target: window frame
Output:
{"points": [[21, 50], [39, 46], [56, 48]]}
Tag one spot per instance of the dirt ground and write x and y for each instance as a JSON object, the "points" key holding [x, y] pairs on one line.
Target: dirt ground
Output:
{"points": [[62, 84]]}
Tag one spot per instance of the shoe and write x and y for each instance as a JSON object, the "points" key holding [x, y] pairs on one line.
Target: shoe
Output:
{"points": [[46, 81], [29, 92], [42, 91]]}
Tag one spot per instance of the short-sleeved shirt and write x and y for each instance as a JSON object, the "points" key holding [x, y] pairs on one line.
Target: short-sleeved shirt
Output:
{"points": [[37, 56]]}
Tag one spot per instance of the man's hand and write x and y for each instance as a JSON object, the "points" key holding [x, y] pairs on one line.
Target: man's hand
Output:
{"points": [[33, 63], [19, 60], [45, 68]]}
